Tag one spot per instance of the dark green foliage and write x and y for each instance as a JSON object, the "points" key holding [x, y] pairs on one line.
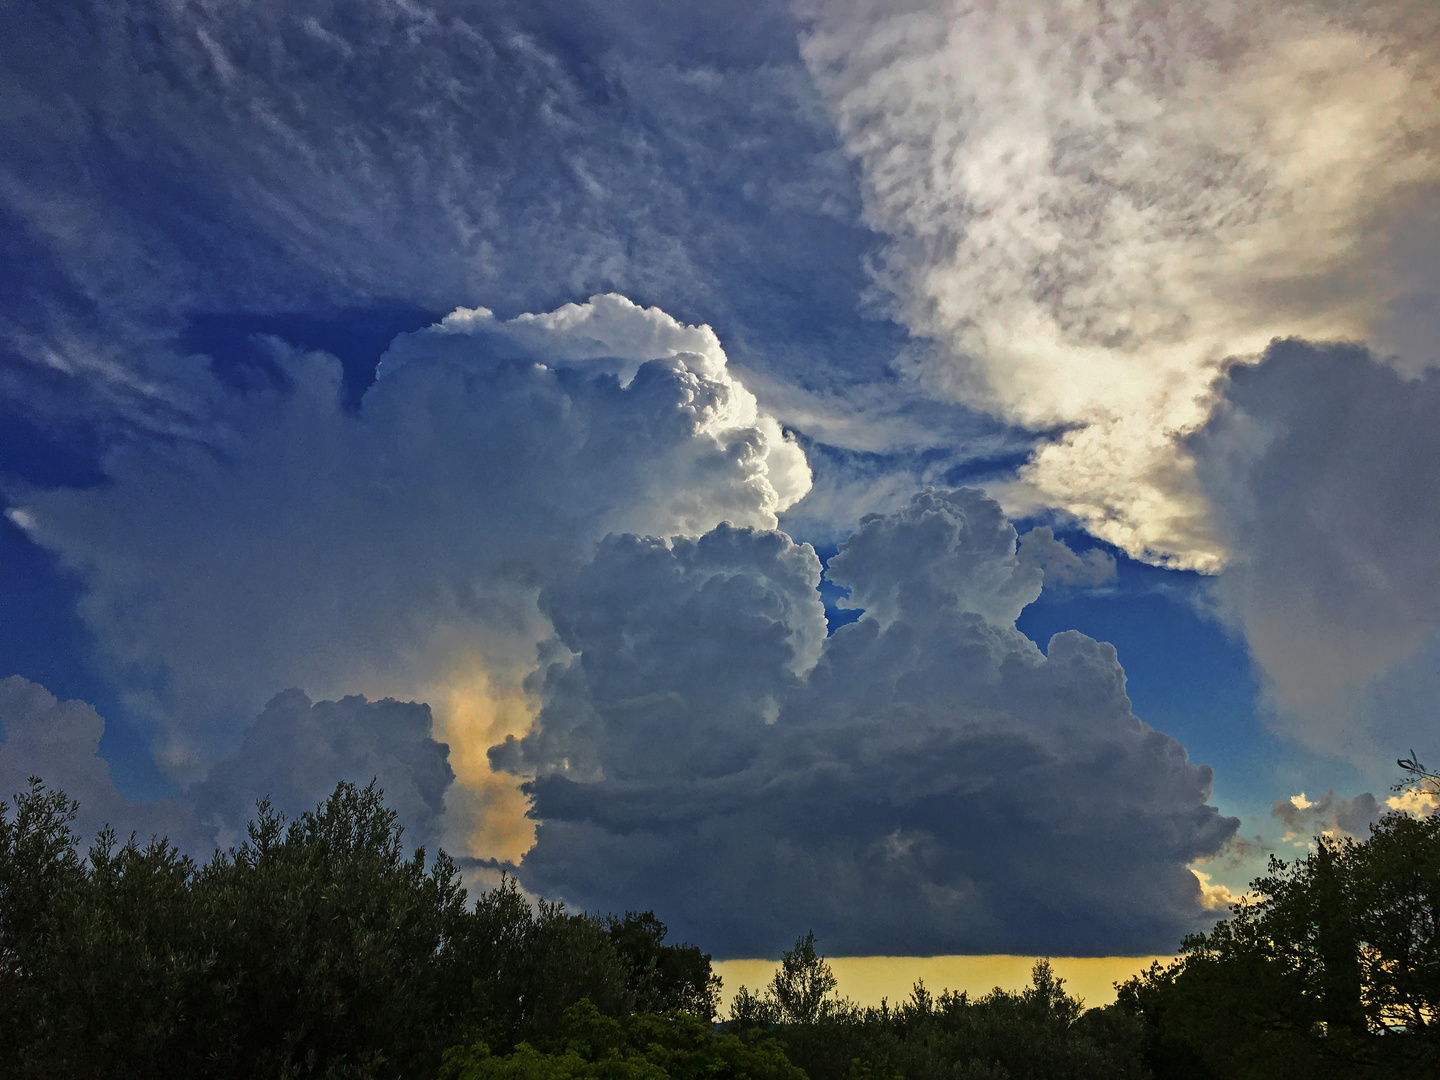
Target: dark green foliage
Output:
{"points": [[588, 1045], [1334, 971], [527, 966], [665, 978], [1037, 1032], [318, 948], [38, 867], [321, 948]]}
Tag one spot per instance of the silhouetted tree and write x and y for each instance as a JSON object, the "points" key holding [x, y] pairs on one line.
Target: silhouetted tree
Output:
{"points": [[1333, 969], [317, 948], [664, 978]]}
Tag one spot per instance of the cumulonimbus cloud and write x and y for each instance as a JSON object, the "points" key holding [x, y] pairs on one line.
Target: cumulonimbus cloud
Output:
{"points": [[927, 781], [1093, 206], [398, 552]]}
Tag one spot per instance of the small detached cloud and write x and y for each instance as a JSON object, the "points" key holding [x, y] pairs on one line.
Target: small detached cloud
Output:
{"points": [[1305, 818], [1416, 802], [1063, 568], [923, 781]]}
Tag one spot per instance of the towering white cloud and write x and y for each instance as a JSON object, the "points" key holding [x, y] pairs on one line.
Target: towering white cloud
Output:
{"points": [[1092, 206], [398, 551], [932, 783], [611, 335]]}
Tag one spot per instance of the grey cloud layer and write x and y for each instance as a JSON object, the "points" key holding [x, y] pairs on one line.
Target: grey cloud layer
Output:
{"points": [[933, 783]]}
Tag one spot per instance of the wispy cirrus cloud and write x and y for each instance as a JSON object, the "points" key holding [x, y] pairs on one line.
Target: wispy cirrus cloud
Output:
{"points": [[1092, 206]]}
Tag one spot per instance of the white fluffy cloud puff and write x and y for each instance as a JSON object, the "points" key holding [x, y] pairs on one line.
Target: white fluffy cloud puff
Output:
{"points": [[931, 783], [376, 552]]}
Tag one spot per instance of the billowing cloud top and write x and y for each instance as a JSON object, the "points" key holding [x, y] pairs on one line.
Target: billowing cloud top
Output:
{"points": [[930, 782], [610, 334], [376, 552]]}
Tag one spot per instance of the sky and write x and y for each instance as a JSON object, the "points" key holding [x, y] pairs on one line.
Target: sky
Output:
{"points": [[963, 477]]}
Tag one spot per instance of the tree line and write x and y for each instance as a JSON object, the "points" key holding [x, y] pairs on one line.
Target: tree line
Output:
{"points": [[317, 948], [321, 948]]}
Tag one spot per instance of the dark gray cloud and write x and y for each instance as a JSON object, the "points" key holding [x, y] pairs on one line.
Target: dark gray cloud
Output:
{"points": [[1319, 466], [933, 784], [644, 692], [297, 750]]}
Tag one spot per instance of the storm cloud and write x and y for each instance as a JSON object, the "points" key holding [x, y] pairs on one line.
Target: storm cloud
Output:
{"points": [[397, 550], [931, 782]]}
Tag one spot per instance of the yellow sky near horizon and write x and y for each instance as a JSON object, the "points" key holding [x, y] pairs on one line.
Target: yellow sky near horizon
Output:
{"points": [[867, 979]]}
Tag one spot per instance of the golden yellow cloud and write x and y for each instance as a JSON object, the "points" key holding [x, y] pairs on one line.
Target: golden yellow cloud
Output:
{"points": [[476, 700]]}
